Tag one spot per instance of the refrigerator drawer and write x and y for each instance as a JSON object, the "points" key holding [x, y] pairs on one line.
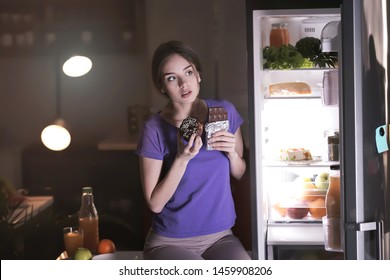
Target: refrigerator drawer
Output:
{"points": [[295, 234]]}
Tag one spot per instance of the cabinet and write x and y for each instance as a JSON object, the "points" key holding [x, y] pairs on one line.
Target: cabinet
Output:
{"points": [[94, 26]]}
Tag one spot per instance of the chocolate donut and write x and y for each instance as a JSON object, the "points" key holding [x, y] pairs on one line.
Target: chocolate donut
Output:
{"points": [[190, 126]]}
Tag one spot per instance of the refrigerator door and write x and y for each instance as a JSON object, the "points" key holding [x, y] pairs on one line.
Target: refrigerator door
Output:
{"points": [[365, 107]]}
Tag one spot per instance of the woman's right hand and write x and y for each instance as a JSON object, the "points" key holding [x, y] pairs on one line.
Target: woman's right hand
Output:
{"points": [[189, 151]]}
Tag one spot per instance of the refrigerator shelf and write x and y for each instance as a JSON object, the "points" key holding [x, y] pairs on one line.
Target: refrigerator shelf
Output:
{"points": [[295, 233], [300, 69], [279, 163], [307, 96]]}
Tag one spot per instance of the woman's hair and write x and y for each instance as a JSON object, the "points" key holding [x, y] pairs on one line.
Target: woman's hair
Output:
{"points": [[167, 49]]}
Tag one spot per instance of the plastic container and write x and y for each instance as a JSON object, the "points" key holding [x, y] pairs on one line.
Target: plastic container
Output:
{"points": [[279, 35], [293, 201], [89, 220], [330, 88]]}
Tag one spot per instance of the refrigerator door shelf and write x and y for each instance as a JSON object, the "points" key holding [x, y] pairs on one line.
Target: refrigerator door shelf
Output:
{"points": [[295, 234]]}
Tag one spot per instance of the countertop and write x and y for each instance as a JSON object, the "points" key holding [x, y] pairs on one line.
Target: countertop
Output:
{"points": [[30, 207]]}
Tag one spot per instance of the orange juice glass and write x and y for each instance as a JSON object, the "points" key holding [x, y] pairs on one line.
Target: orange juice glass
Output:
{"points": [[73, 239]]}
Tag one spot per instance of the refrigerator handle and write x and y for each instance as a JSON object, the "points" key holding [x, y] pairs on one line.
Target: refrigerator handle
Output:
{"points": [[369, 226]]}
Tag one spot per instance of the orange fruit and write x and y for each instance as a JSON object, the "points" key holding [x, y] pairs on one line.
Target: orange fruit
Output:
{"points": [[106, 246], [317, 208], [281, 211]]}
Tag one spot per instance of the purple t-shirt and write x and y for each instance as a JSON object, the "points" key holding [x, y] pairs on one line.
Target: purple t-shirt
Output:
{"points": [[203, 202]]}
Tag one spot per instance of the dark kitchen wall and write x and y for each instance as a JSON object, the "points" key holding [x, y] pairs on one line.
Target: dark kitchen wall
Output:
{"points": [[95, 105]]}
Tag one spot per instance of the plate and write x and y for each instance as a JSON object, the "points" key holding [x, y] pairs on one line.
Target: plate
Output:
{"points": [[120, 255], [304, 162]]}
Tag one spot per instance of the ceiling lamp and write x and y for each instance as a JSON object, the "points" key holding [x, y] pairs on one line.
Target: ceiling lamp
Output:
{"points": [[77, 66], [55, 136]]}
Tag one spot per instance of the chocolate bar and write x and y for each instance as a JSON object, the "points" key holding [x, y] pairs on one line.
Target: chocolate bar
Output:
{"points": [[218, 120]]}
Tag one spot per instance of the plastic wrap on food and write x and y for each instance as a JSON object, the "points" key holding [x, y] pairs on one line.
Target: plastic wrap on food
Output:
{"points": [[218, 120]]}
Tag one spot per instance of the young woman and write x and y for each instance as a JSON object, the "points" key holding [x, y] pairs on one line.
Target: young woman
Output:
{"points": [[185, 185]]}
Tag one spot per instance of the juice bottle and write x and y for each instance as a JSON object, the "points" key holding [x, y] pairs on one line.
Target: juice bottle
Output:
{"points": [[332, 222], [279, 35], [332, 199], [89, 220]]}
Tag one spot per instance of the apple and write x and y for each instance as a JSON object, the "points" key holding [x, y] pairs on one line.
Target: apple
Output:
{"points": [[305, 182], [297, 212], [302, 179], [322, 180], [83, 254]]}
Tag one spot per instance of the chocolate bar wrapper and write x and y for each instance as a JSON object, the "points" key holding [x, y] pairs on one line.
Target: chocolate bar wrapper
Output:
{"points": [[213, 127]]}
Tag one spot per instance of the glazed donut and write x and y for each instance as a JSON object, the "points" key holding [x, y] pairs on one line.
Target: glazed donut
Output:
{"points": [[190, 126]]}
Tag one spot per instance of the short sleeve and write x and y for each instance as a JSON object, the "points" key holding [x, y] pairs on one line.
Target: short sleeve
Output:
{"points": [[149, 143]]}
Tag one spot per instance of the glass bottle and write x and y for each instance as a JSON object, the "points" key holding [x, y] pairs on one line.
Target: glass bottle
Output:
{"points": [[279, 35], [89, 220], [332, 199], [333, 147], [332, 222]]}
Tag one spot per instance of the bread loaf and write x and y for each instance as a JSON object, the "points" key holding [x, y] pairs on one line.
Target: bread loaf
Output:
{"points": [[290, 88]]}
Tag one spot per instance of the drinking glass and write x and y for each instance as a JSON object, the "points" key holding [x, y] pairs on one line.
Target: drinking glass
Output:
{"points": [[73, 239]]}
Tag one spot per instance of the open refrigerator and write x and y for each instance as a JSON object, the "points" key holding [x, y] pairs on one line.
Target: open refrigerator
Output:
{"points": [[288, 196]]}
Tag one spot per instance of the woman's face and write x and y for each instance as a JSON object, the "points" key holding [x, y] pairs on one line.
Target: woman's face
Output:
{"points": [[180, 79]]}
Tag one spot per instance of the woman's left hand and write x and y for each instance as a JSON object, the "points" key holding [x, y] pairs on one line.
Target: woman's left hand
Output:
{"points": [[223, 141], [233, 146]]}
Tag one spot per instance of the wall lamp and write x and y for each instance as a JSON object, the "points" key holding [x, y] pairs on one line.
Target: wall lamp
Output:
{"points": [[55, 136]]}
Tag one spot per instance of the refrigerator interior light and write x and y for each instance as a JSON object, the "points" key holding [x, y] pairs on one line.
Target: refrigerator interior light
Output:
{"points": [[330, 37]]}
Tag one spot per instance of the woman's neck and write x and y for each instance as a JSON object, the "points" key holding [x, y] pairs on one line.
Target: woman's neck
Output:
{"points": [[176, 113]]}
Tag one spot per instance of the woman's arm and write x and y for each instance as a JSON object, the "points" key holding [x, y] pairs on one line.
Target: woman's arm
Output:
{"points": [[156, 193]]}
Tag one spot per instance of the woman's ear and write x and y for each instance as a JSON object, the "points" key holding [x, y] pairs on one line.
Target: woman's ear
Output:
{"points": [[162, 90]]}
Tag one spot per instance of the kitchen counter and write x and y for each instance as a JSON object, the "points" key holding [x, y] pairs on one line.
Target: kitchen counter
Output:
{"points": [[30, 207], [29, 227], [118, 255]]}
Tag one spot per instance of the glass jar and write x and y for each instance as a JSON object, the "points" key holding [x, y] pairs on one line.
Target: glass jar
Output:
{"points": [[279, 35], [333, 147]]}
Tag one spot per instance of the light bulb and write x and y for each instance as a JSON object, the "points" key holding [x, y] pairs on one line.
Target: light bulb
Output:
{"points": [[77, 66], [55, 137]]}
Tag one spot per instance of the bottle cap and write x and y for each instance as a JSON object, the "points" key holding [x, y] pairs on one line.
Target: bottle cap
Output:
{"points": [[87, 189], [335, 167]]}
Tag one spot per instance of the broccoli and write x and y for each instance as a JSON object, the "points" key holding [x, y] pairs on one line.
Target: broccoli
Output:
{"points": [[310, 48]]}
